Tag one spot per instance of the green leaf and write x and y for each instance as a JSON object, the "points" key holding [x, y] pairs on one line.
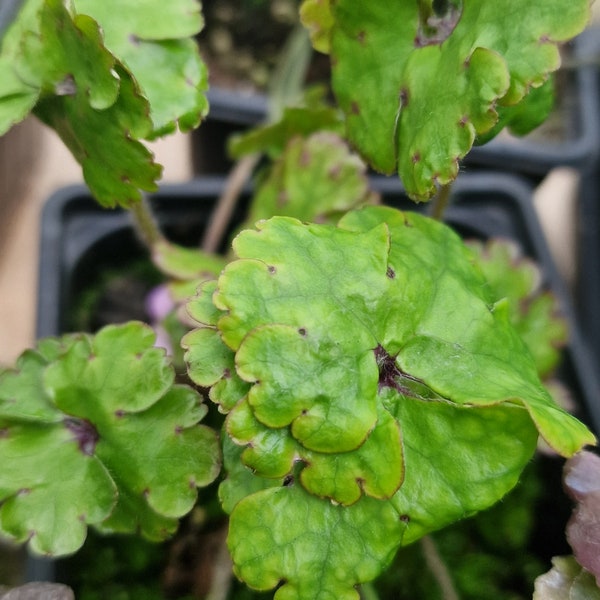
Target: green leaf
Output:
{"points": [[152, 39], [375, 468], [240, 481], [524, 117], [186, 263], [317, 17], [272, 139], [315, 179], [84, 91], [115, 165], [17, 96], [533, 312], [421, 102], [209, 361], [113, 443], [353, 336], [67, 57], [311, 547]]}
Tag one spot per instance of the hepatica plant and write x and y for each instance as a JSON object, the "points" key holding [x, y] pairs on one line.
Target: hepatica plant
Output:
{"points": [[376, 377]]}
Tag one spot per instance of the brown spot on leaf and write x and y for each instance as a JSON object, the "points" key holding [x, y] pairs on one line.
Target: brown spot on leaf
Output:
{"points": [[361, 37], [404, 97], [354, 108], [416, 157], [302, 331], [272, 269], [391, 273]]}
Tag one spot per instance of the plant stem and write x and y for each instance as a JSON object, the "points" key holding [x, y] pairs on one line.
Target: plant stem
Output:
{"points": [[145, 222], [222, 572], [237, 179], [438, 568], [441, 201]]}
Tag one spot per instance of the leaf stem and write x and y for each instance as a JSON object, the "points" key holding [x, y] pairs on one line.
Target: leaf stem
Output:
{"points": [[145, 222], [438, 568], [441, 201], [236, 181]]}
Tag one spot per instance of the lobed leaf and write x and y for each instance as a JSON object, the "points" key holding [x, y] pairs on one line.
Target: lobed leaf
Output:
{"points": [[424, 97], [378, 372], [85, 90], [92, 431], [152, 39]]}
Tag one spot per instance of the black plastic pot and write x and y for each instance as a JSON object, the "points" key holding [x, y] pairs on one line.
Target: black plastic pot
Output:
{"points": [[80, 241], [588, 260], [231, 112]]}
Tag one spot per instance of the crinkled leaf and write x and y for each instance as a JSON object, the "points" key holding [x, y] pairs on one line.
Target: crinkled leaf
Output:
{"points": [[423, 100], [567, 580], [152, 39], [337, 329], [315, 178], [375, 468], [272, 139], [113, 443], [310, 546], [317, 17], [186, 263], [533, 313], [439, 440], [582, 482]]}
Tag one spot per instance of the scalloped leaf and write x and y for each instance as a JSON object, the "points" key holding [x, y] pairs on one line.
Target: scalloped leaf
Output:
{"points": [[84, 91], [114, 444], [309, 546], [374, 469], [152, 38], [240, 481], [421, 102], [337, 329]]}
